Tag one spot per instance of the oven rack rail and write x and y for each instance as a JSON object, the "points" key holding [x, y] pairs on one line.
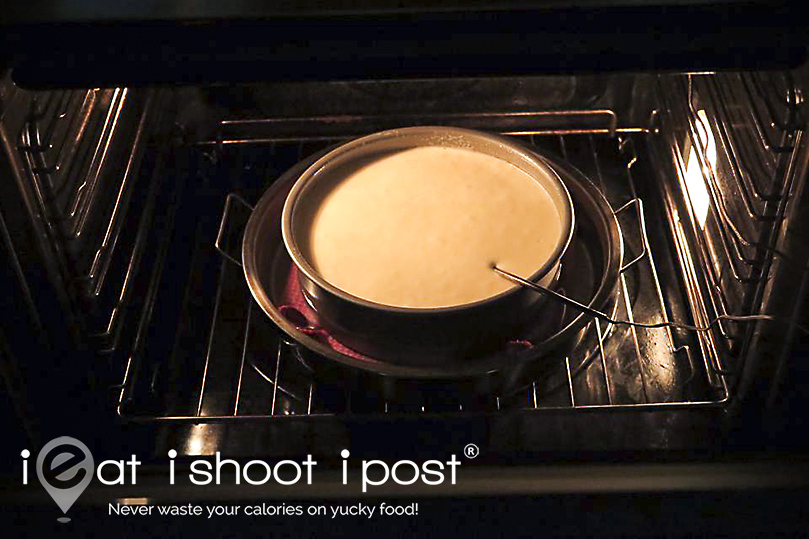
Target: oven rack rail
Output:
{"points": [[334, 128], [746, 158], [67, 135], [601, 368], [70, 144]]}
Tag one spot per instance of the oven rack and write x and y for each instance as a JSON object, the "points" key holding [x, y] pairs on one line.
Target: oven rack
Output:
{"points": [[634, 368], [744, 177]]}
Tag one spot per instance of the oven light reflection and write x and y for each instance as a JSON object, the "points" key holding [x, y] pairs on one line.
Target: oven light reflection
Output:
{"points": [[695, 176], [203, 440]]}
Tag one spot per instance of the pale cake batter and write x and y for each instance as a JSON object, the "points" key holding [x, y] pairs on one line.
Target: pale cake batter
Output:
{"points": [[420, 228]]}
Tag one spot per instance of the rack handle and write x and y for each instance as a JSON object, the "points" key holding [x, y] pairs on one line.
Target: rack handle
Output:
{"points": [[222, 224]]}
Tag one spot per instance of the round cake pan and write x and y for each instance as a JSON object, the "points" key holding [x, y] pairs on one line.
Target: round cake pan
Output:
{"points": [[419, 335]]}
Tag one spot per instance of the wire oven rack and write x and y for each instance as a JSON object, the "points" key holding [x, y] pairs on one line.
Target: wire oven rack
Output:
{"points": [[221, 359], [248, 370]]}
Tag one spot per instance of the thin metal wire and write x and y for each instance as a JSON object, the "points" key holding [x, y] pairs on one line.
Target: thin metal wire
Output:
{"points": [[103, 256], [269, 379], [604, 369], [569, 384], [222, 223], [244, 355], [277, 370], [114, 327], [516, 279], [70, 155], [209, 350], [84, 195]]}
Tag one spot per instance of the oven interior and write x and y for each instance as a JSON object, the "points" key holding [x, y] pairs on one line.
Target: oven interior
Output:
{"points": [[123, 208]]}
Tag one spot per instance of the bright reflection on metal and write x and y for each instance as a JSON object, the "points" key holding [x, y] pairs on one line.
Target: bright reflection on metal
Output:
{"points": [[203, 440], [695, 174], [133, 501]]}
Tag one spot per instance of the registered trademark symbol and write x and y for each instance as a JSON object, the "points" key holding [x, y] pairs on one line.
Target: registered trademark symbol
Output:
{"points": [[471, 451]]}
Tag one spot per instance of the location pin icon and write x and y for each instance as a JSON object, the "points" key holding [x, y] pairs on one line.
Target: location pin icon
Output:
{"points": [[65, 467]]}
